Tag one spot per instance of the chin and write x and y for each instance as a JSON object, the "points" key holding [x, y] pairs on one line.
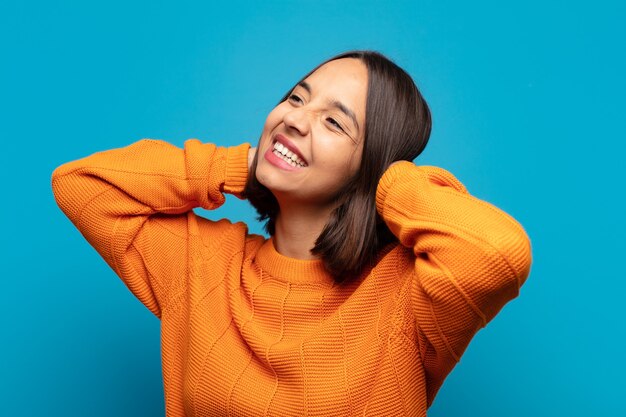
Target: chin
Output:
{"points": [[270, 180]]}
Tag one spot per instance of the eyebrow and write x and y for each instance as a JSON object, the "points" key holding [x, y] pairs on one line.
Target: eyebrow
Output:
{"points": [[334, 103]]}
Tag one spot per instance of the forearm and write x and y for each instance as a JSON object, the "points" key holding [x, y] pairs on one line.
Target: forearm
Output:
{"points": [[481, 252], [110, 195], [151, 176], [470, 258]]}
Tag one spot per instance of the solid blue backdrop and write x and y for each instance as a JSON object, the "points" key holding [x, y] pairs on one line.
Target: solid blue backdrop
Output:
{"points": [[528, 108]]}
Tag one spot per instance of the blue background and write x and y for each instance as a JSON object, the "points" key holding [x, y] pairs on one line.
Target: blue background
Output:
{"points": [[528, 107]]}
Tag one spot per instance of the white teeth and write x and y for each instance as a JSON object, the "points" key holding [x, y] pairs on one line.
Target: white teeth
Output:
{"points": [[291, 158]]}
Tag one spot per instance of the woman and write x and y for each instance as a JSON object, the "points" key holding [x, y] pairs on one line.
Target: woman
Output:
{"points": [[376, 276]]}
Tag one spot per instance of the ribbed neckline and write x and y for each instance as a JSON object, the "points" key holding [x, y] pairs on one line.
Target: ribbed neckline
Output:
{"points": [[297, 271]]}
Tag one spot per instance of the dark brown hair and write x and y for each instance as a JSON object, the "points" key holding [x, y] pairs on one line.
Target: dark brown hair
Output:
{"points": [[397, 127]]}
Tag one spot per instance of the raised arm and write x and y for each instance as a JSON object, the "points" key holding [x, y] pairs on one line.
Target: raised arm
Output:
{"points": [[470, 259], [133, 205]]}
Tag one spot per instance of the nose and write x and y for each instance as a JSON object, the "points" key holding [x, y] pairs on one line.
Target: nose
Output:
{"points": [[298, 119]]}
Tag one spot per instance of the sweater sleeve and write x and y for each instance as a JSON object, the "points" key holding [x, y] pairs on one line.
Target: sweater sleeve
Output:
{"points": [[134, 205], [470, 259]]}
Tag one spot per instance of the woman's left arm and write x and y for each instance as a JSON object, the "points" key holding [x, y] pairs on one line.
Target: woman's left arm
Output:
{"points": [[471, 258]]}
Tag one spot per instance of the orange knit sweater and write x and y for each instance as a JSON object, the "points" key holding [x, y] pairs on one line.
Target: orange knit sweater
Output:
{"points": [[247, 331]]}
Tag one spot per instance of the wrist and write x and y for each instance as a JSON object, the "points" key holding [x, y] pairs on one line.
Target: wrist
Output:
{"points": [[251, 155], [386, 181], [236, 169]]}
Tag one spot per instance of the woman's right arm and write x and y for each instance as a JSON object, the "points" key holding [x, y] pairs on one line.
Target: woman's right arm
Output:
{"points": [[133, 205]]}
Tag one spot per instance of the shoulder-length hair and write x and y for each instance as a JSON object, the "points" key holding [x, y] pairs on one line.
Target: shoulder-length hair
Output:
{"points": [[397, 127]]}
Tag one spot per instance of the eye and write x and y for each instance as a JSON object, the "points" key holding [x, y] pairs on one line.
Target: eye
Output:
{"points": [[294, 97], [334, 123]]}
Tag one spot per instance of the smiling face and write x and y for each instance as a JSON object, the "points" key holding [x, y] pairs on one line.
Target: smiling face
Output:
{"points": [[312, 142]]}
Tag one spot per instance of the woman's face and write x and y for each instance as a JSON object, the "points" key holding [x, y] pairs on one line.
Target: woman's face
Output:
{"points": [[312, 142]]}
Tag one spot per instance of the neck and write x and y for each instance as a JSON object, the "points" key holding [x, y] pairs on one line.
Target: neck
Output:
{"points": [[297, 229]]}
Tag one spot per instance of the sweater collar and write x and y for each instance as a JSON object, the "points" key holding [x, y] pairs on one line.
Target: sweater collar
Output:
{"points": [[296, 271]]}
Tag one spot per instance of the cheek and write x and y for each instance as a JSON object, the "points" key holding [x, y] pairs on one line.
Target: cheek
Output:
{"points": [[344, 160], [355, 163], [261, 174], [271, 122], [273, 119]]}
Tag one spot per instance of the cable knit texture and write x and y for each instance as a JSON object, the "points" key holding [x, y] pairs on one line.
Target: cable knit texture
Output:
{"points": [[246, 331]]}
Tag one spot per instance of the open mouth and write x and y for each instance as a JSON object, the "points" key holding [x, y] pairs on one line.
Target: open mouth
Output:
{"points": [[287, 155]]}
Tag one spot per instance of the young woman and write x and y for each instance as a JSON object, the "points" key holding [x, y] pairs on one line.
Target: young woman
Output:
{"points": [[376, 275]]}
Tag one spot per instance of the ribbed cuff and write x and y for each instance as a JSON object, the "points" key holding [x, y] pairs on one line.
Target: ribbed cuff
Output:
{"points": [[236, 169], [387, 180]]}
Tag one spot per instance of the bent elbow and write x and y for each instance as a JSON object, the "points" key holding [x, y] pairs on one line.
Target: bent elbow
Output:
{"points": [[515, 247], [71, 189], [60, 190]]}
